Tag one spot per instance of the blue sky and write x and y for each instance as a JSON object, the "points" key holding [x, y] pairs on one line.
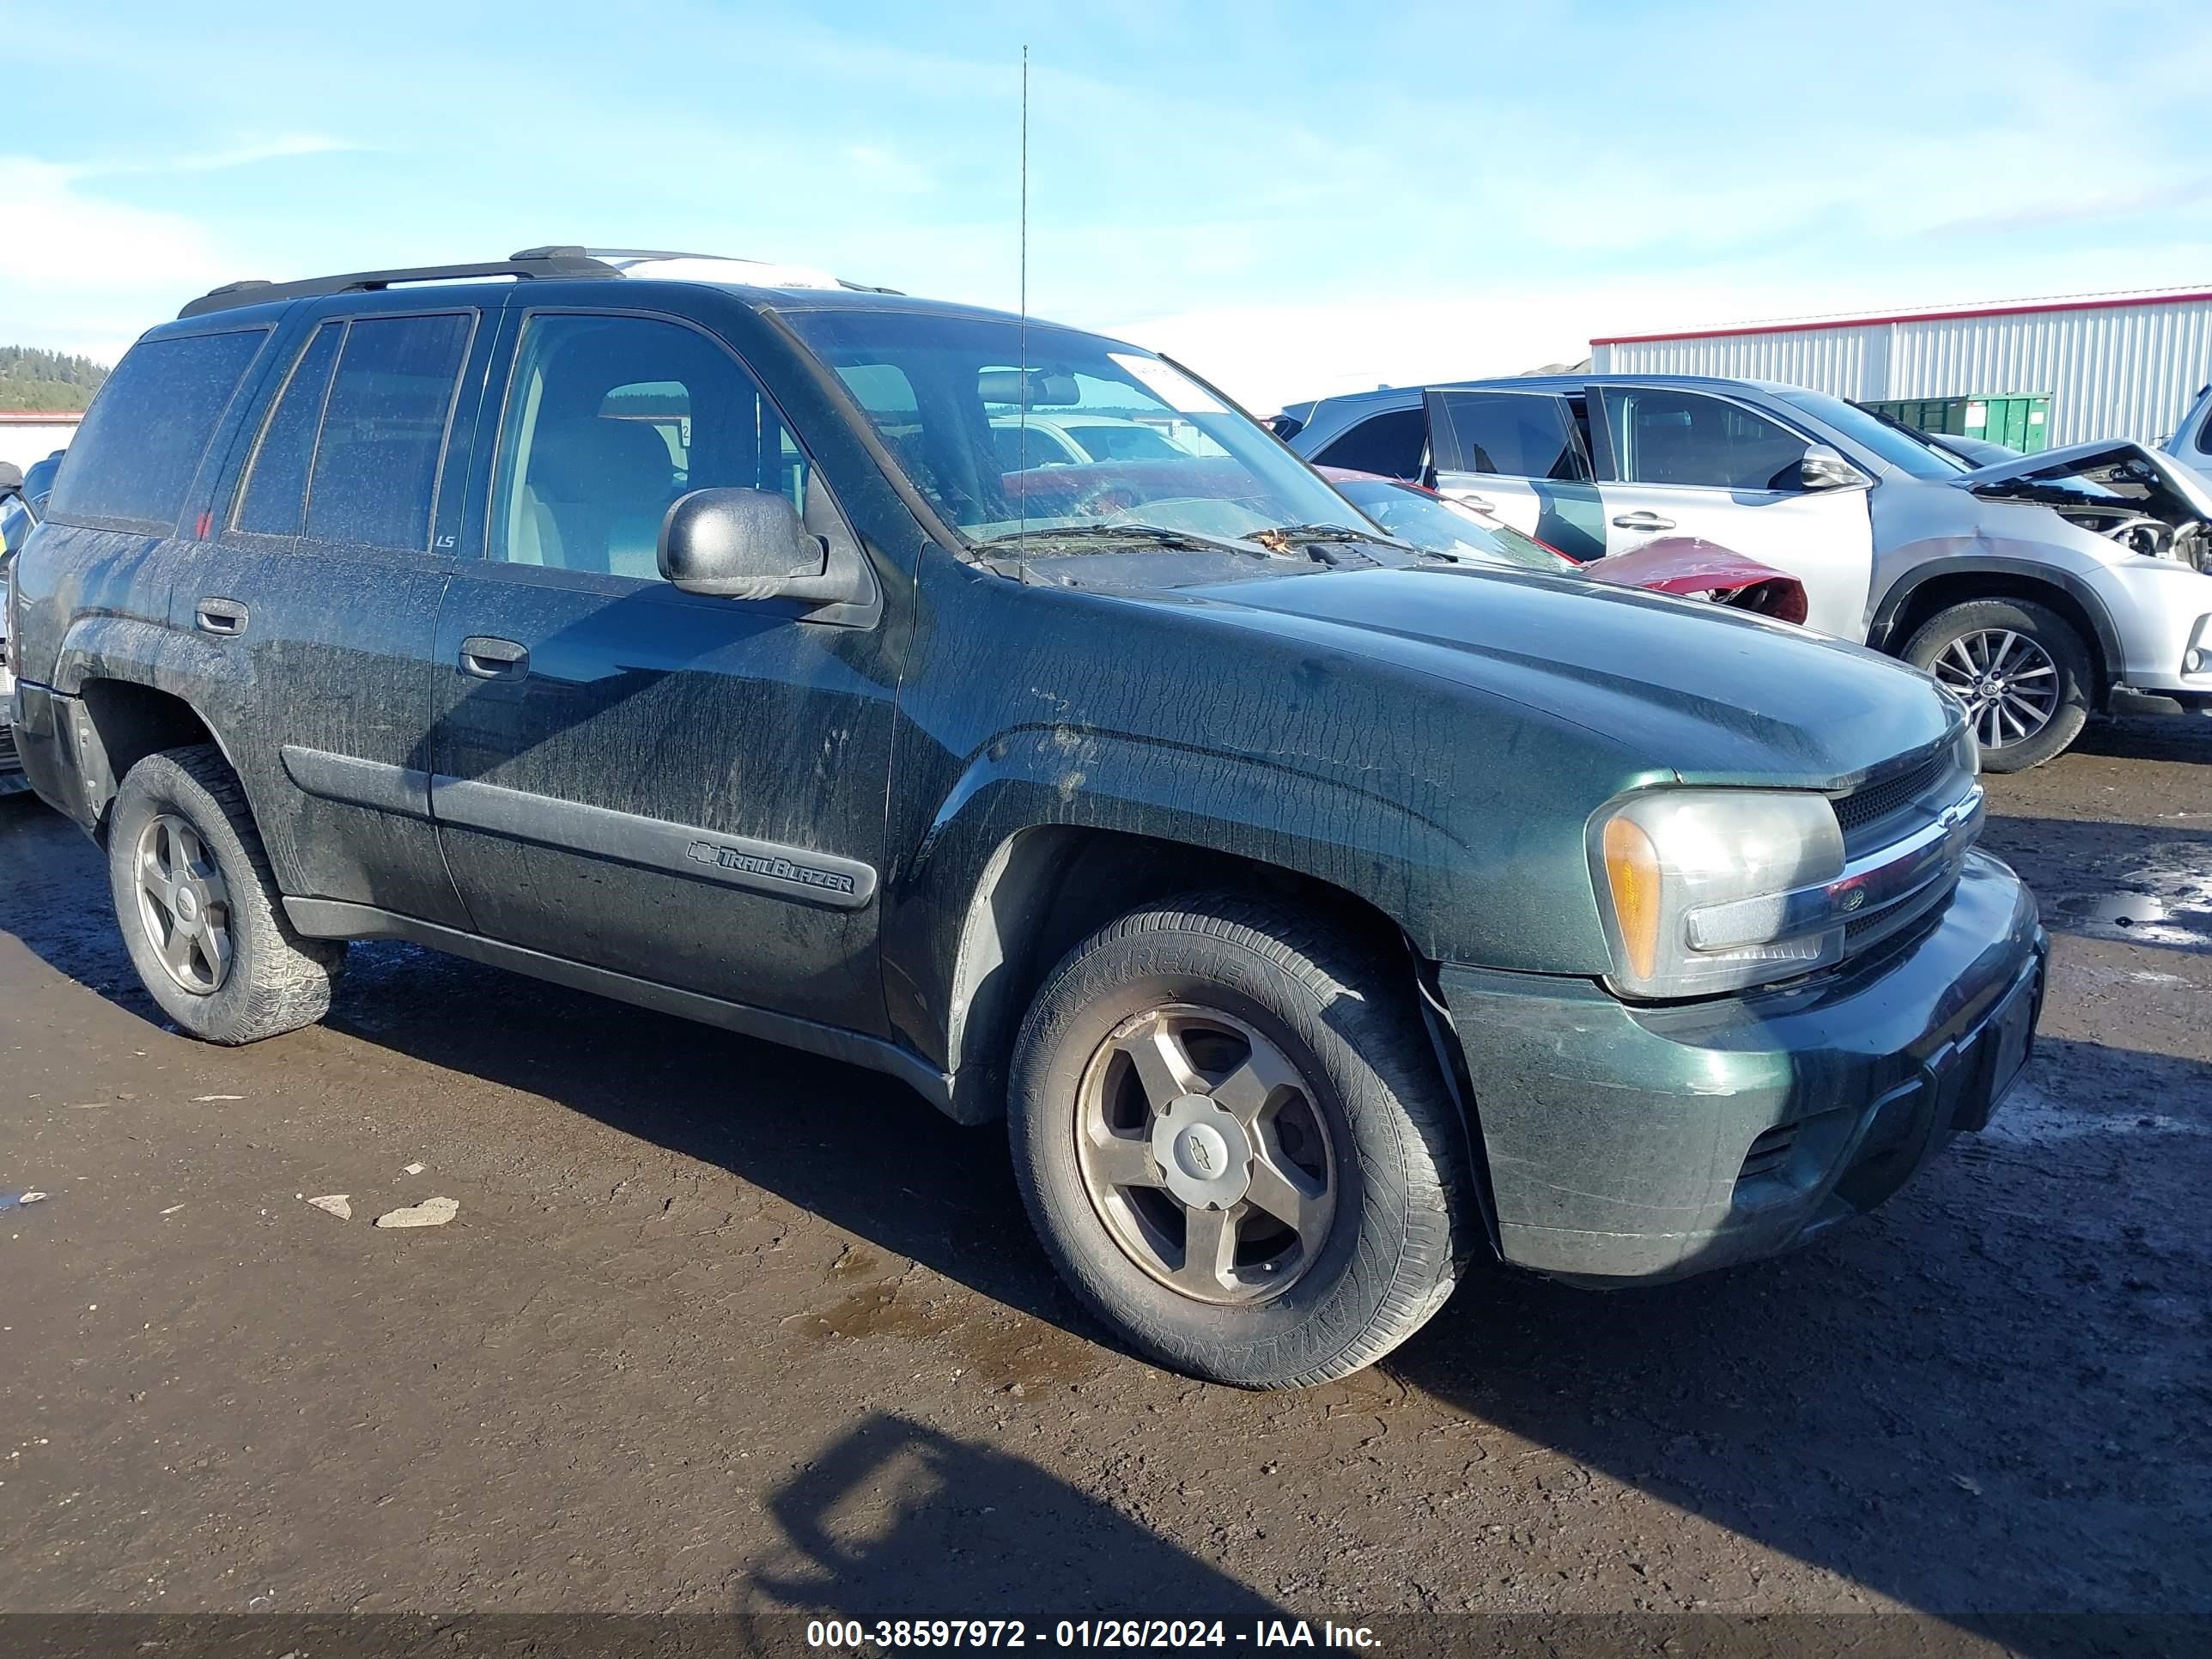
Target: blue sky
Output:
{"points": [[1294, 198]]}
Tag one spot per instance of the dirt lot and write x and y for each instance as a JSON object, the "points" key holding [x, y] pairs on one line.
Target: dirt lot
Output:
{"points": [[724, 1328]]}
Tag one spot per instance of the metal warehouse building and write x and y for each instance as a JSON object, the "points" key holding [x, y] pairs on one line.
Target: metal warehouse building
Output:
{"points": [[2112, 365]]}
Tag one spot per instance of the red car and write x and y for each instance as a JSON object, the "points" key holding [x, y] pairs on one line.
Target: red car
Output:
{"points": [[1681, 565]]}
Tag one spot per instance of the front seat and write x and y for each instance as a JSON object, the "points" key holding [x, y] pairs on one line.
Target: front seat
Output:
{"points": [[606, 484]]}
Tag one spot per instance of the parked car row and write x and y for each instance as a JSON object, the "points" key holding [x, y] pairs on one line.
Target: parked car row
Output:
{"points": [[1317, 907], [2040, 588], [22, 495], [1679, 565]]}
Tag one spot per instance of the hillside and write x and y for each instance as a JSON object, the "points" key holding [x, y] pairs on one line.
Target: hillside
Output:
{"points": [[34, 379]]}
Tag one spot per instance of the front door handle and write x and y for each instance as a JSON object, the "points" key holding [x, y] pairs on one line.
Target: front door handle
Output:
{"points": [[490, 659], [1642, 521], [223, 617]]}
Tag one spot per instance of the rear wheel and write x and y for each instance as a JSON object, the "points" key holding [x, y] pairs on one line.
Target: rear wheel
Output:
{"points": [[199, 909], [1230, 1134], [2024, 673]]}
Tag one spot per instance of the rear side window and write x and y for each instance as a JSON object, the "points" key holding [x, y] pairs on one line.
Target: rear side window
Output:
{"points": [[1394, 445], [376, 475], [276, 491], [142, 441], [1508, 434]]}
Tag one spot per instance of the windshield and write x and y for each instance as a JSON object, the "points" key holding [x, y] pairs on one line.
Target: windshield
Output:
{"points": [[1435, 526], [1151, 448], [1902, 448]]}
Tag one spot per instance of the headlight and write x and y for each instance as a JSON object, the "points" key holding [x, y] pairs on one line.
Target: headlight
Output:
{"points": [[1702, 889], [1970, 751]]}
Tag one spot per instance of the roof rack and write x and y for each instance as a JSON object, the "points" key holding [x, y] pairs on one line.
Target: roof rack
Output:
{"points": [[531, 263]]}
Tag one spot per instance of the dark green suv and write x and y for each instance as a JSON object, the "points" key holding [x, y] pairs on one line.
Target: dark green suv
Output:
{"points": [[1316, 911]]}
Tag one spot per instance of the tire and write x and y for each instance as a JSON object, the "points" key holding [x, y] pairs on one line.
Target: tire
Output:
{"points": [[1393, 1183], [184, 809], [1956, 641]]}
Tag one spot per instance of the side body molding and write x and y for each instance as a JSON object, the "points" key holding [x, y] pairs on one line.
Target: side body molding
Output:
{"points": [[788, 873], [358, 782]]}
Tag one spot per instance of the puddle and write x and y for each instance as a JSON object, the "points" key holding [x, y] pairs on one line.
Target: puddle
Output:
{"points": [[2166, 900], [1002, 1350], [2029, 1117]]}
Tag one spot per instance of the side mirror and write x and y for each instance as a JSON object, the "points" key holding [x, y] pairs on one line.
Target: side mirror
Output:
{"points": [[1824, 469], [746, 545]]}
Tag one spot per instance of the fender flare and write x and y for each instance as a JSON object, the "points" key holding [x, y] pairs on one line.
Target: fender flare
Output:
{"points": [[131, 651], [963, 907], [1893, 603]]}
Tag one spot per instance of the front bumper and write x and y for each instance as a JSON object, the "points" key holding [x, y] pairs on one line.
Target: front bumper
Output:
{"points": [[1630, 1143], [2163, 611]]}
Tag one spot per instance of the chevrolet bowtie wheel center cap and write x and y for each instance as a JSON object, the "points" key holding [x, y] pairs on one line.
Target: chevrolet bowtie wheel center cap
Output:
{"points": [[1204, 1153]]}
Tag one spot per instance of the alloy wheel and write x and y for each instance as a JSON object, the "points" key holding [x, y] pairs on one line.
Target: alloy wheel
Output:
{"points": [[183, 904], [2009, 682], [1206, 1154]]}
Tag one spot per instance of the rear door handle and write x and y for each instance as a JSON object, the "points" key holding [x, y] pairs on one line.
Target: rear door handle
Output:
{"points": [[1642, 521], [490, 659], [224, 617]]}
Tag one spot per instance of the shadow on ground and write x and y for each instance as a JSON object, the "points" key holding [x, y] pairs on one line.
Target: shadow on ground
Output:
{"points": [[1993, 1394], [1990, 1395], [897, 1519]]}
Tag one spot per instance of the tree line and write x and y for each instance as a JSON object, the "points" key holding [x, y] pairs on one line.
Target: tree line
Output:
{"points": [[32, 377]]}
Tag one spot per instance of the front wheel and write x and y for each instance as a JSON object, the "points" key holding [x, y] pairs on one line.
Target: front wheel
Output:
{"points": [[1230, 1133], [2022, 671]]}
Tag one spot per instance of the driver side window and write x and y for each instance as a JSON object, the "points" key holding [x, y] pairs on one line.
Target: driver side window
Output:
{"points": [[609, 420], [1664, 437]]}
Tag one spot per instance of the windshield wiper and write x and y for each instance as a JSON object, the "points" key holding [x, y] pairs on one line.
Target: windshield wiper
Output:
{"points": [[1120, 532], [1103, 535]]}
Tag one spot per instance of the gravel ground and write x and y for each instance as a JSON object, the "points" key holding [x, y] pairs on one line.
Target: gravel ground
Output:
{"points": [[721, 1328]]}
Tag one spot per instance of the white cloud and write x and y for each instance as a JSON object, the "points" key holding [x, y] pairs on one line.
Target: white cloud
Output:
{"points": [[215, 161], [61, 237], [874, 166]]}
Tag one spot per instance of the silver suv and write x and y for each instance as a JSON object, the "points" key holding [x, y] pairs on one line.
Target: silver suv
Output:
{"points": [[2039, 590]]}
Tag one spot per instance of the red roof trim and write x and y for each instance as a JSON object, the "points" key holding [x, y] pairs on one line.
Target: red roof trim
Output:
{"points": [[2014, 308], [34, 417]]}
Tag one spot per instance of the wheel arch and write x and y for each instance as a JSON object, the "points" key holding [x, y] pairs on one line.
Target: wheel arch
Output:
{"points": [[1046, 887], [118, 723], [1908, 606], [133, 687]]}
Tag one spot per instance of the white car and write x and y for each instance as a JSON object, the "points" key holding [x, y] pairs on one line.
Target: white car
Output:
{"points": [[2040, 589], [1070, 438]]}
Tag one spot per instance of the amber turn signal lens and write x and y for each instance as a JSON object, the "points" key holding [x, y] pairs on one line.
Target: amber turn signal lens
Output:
{"points": [[1632, 869]]}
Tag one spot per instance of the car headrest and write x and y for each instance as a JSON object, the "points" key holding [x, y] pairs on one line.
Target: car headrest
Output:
{"points": [[600, 461]]}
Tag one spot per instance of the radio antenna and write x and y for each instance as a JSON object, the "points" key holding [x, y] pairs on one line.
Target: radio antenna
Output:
{"points": [[1021, 332]]}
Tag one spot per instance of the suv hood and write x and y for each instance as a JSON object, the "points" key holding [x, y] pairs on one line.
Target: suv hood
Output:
{"points": [[2089, 459], [2084, 464], [2147, 502], [1710, 694]]}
